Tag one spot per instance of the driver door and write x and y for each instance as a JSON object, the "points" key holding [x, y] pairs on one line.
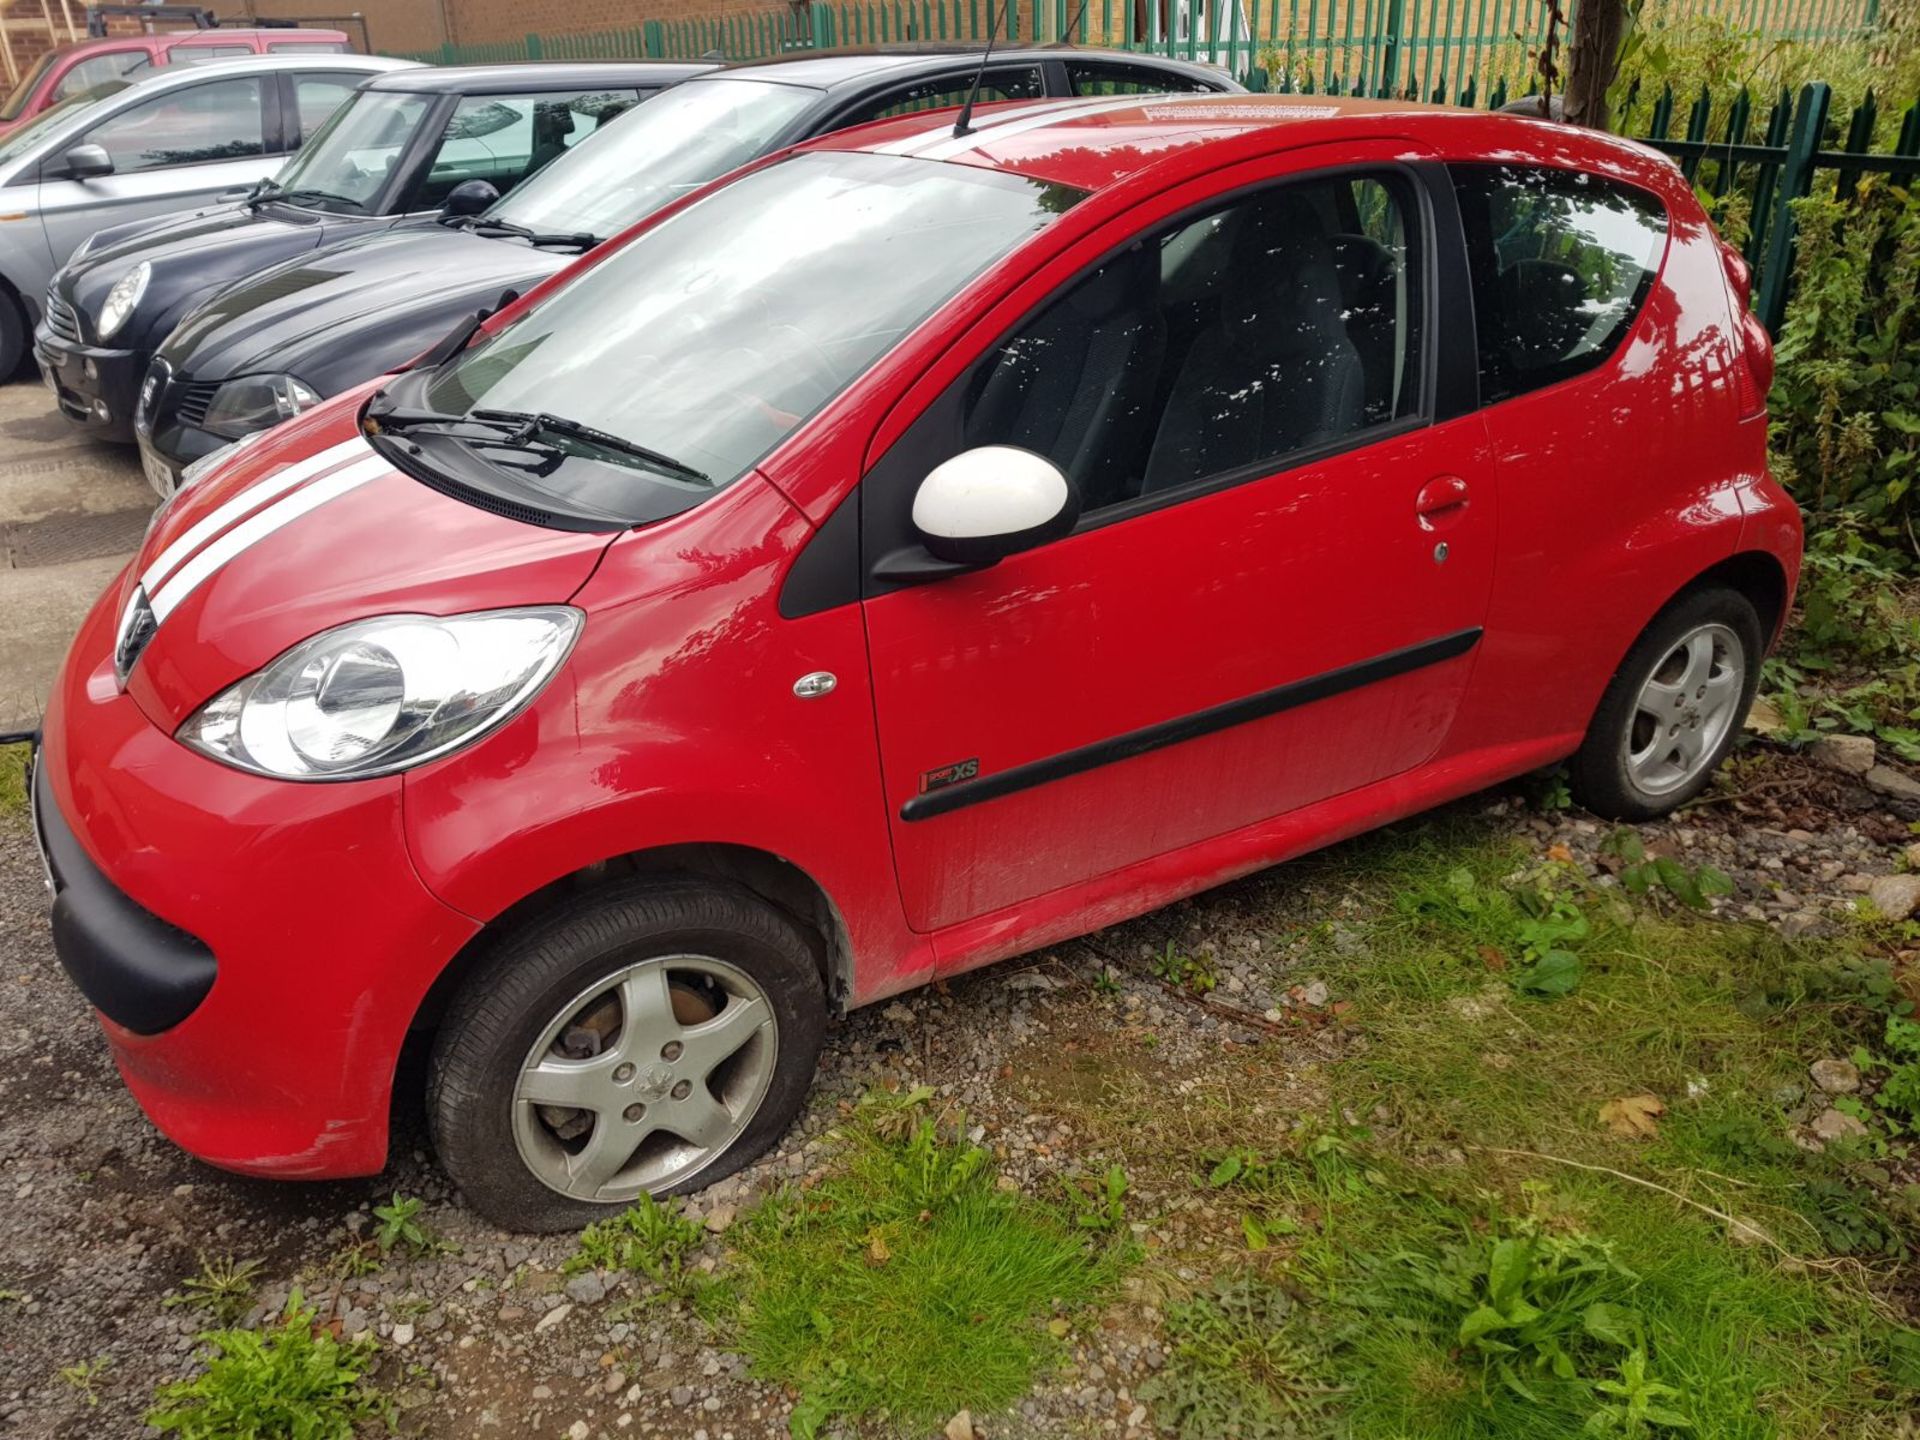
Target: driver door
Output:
{"points": [[173, 152], [1274, 592]]}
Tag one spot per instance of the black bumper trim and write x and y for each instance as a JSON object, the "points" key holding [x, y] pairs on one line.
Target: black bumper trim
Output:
{"points": [[140, 972]]}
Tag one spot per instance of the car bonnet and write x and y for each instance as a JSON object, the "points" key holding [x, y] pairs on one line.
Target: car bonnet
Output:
{"points": [[320, 311], [303, 530]]}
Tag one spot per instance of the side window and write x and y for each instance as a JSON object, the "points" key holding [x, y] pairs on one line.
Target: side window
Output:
{"points": [[318, 96], [1103, 77], [1562, 262], [98, 69], [1282, 323], [306, 47], [1021, 82], [502, 139], [220, 120], [205, 54]]}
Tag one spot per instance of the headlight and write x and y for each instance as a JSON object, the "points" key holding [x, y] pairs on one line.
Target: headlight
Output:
{"points": [[257, 402], [122, 299], [382, 695]]}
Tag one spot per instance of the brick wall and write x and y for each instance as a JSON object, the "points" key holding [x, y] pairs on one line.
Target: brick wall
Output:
{"points": [[28, 29]]}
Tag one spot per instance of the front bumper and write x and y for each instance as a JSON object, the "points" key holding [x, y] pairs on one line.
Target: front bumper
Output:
{"points": [[97, 389], [322, 940], [135, 969]]}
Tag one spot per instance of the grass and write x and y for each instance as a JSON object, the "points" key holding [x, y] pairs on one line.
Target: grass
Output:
{"points": [[13, 779], [1578, 1207], [908, 1285]]}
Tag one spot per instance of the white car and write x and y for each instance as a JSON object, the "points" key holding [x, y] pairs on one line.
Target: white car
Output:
{"points": [[128, 150]]}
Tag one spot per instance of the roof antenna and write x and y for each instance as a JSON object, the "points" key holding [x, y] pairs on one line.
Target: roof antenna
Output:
{"points": [[964, 124]]}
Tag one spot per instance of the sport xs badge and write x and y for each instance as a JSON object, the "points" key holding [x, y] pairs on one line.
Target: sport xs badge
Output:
{"points": [[949, 775]]}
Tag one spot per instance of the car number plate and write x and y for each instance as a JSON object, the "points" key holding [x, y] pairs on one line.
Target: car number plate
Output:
{"points": [[159, 473]]}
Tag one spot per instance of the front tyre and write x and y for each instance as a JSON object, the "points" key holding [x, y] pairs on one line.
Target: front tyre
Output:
{"points": [[651, 1038], [13, 336], [1674, 708]]}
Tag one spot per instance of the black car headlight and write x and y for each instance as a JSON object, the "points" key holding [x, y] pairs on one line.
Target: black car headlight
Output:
{"points": [[257, 402]]}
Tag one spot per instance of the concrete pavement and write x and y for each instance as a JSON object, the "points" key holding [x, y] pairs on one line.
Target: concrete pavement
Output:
{"points": [[71, 512]]}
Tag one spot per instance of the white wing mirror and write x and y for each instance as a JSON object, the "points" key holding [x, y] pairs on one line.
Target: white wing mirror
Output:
{"points": [[991, 502]]}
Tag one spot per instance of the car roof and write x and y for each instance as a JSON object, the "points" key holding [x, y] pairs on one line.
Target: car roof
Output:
{"points": [[834, 69], [1095, 143], [174, 76], [541, 75]]}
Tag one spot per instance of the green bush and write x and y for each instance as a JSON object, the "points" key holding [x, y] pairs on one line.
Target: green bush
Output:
{"points": [[1846, 394]]}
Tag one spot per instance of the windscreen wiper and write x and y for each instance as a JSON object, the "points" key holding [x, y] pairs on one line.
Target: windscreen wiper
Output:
{"points": [[300, 193], [529, 426], [522, 430], [482, 226]]}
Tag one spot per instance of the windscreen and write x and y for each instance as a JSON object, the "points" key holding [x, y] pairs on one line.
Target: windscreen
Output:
{"points": [[708, 339], [676, 142], [351, 157]]}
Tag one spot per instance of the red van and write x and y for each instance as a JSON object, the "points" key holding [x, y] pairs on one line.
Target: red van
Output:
{"points": [[73, 68], [927, 545]]}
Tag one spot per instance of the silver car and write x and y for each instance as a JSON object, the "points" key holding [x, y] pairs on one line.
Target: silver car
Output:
{"points": [[129, 150]]}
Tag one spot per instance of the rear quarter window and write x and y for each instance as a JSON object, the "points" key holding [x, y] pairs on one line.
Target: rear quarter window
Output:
{"points": [[1561, 264]]}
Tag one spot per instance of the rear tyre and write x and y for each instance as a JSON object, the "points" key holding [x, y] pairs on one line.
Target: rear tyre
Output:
{"points": [[1674, 708], [653, 1038], [13, 336]]}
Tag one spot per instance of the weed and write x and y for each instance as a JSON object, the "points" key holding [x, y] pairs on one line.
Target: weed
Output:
{"points": [[1549, 792], [1636, 1404], [1899, 1093], [1194, 973], [907, 1284], [294, 1379], [1098, 1202], [223, 1288], [1660, 875], [1532, 927], [1528, 1306], [647, 1238], [402, 1229], [84, 1376], [1244, 1363]]}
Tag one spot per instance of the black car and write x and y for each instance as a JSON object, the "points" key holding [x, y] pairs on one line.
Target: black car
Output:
{"points": [[403, 146], [332, 319]]}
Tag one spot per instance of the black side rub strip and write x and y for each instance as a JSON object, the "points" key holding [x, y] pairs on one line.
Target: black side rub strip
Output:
{"points": [[1190, 727]]}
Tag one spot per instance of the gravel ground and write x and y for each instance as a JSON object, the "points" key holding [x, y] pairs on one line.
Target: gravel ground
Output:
{"points": [[106, 1218]]}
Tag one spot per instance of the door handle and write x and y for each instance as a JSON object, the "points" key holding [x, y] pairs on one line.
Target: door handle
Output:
{"points": [[1442, 501]]}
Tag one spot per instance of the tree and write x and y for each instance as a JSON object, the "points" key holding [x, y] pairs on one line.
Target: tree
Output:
{"points": [[1599, 27]]}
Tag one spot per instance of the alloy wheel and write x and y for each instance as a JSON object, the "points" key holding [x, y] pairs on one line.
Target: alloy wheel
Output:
{"points": [[644, 1078], [1685, 709]]}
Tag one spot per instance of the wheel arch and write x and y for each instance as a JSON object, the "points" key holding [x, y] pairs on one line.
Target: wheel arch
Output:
{"points": [[1756, 574], [777, 881]]}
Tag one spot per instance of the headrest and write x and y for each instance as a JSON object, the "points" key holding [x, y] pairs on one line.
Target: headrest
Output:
{"points": [[1129, 279], [1281, 287]]}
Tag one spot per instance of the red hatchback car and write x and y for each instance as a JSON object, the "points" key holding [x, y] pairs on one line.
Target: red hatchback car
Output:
{"points": [[914, 550]]}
